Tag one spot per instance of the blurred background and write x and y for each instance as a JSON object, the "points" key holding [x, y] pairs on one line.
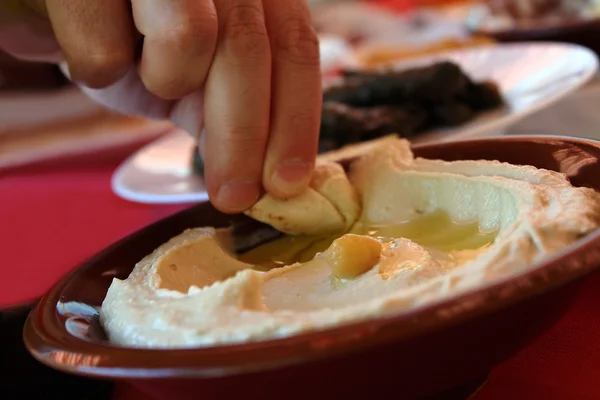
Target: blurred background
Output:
{"points": [[43, 116]]}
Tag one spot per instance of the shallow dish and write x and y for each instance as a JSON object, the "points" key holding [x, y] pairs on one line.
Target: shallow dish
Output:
{"points": [[419, 353]]}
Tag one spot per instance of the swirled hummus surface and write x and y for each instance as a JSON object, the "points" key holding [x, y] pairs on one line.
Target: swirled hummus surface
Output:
{"points": [[391, 234]]}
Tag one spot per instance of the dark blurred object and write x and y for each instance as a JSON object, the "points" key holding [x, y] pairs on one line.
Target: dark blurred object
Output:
{"points": [[197, 161], [16, 75], [566, 21], [583, 33], [343, 124], [27, 378], [370, 104], [527, 9], [532, 10], [434, 83]]}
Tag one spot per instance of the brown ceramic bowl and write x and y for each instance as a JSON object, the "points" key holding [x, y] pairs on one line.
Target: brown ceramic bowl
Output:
{"points": [[412, 355]]}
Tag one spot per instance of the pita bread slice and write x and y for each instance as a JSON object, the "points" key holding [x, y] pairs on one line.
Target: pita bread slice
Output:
{"points": [[329, 205]]}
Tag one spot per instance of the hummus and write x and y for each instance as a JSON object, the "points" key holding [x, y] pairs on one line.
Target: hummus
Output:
{"points": [[390, 234]]}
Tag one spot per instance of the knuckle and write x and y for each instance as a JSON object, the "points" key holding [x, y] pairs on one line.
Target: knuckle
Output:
{"points": [[246, 140], [190, 32], [187, 44], [244, 32], [296, 41], [100, 67], [245, 152], [303, 124]]}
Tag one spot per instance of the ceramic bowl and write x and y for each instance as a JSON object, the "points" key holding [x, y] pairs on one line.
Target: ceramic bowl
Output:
{"points": [[413, 355]]}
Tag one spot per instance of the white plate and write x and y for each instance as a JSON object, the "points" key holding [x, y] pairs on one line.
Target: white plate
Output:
{"points": [[161, 173], [531, 76]]}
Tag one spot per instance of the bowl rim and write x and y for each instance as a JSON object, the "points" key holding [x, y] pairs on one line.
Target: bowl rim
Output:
{"points": [[60, 350]]}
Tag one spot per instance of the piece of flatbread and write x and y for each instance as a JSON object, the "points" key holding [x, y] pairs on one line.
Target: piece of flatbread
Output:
{"points": [[329, 205]]}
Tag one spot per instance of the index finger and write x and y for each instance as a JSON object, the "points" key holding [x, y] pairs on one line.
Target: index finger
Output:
{"points": [[296, 98], [237, 101]]}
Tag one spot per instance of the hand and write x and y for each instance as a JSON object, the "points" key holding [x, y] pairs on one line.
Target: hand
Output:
{"points": [[245, 70]]}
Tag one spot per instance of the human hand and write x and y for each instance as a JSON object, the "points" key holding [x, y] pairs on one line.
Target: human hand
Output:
{"points": [[246, 71]]}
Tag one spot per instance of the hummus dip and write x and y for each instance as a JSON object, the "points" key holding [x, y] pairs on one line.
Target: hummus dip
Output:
{"points": [[390, 234]]}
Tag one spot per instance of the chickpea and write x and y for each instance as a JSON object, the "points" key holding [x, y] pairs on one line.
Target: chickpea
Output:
{"points": [[352, 255]]}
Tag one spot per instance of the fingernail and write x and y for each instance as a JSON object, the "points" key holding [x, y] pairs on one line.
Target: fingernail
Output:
{"points": [[291, 176], [237, 196]]}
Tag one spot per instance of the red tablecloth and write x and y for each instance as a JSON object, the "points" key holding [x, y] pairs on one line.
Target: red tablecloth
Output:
{"points": [[54, 216]]}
